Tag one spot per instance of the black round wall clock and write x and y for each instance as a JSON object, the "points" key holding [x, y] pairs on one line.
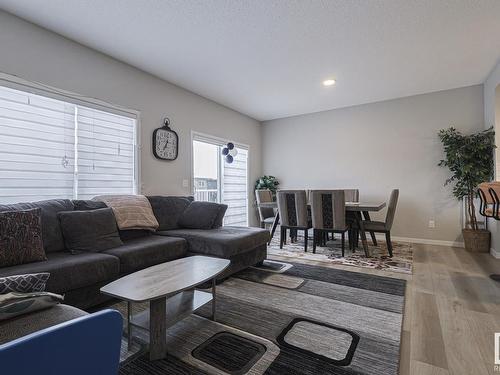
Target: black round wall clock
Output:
{"points": [[165, 142]]}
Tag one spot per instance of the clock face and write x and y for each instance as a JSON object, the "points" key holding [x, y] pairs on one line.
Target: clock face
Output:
{"points": [[165, 144]]}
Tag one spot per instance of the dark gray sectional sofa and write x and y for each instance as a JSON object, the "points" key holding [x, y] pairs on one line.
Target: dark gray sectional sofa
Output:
{"points": [[80, 276]]}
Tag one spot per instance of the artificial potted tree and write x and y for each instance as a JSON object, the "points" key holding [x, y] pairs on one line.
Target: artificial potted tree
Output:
{"points": [[269, 183], [470, 161]]}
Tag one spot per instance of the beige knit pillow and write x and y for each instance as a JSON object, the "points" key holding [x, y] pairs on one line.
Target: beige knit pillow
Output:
{"points": [[131, 211]]}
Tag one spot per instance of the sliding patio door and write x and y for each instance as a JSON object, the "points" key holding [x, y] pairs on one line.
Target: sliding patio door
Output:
{"points": [[215, 180]]}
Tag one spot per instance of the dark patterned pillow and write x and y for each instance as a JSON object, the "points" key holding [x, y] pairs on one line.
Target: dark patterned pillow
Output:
{"points": [[21, 237], [15, 304], [32, 282]]}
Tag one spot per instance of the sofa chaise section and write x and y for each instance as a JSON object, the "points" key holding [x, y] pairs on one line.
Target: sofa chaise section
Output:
{"points": [[243, 246]]}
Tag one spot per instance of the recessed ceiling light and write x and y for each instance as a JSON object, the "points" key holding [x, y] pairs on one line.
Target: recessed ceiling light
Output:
{"points": [[328, 82]]}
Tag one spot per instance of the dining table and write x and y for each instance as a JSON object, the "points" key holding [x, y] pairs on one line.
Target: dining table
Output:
{"points": [[357, 208]]}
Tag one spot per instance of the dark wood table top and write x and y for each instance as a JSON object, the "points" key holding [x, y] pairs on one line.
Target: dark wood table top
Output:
{"points": [[349, 206]]}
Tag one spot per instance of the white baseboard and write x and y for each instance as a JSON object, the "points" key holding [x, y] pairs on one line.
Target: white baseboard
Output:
{"points": [[494, 253], [424, 241]]}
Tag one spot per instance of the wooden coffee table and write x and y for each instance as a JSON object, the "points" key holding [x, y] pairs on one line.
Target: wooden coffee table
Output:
{"points": [[169, 289]]}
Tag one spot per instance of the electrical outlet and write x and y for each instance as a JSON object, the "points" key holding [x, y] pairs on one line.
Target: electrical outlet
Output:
{"points": [[432, 224], [185, 183]]}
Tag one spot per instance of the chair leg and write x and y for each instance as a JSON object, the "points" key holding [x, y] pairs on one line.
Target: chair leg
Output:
{"points": [[343, 244], [315, 239], [389, 243], [374, 239], [282, 236], [306, 235]]}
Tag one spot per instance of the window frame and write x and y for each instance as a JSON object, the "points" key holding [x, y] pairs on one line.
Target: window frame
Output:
{"points": [[20, 84]]}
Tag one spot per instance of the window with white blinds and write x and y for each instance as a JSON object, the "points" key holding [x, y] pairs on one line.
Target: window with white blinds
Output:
{"points": [[55, 149]]}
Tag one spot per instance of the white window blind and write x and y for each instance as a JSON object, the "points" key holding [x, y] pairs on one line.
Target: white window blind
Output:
{"points": [[55, 149], [235, 189], [106, 153]]}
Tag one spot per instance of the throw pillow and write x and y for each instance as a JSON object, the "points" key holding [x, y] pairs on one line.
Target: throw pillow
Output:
{"points": [[21, 237], [32, 282], [51, 231], [199, 215], [92, 231], [168, 210], [219, 219], [15, 304], [131, 211]]}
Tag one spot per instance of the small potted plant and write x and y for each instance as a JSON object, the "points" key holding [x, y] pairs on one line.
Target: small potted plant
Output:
{"points": [[267, 182], [470, 160]]}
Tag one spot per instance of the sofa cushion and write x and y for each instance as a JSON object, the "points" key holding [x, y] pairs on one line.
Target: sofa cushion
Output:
{"points": [[199, 215], [168, 210], [84, 205], [132, 234], [222, 242], [26, 324], [51, 230], [91, 230], [219, 219], [21, 237], [144, 252], [68, 271]]}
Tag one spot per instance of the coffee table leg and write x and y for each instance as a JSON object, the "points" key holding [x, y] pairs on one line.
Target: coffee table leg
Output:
{"points": [[157, 329], [214, 304], [129, 326]]}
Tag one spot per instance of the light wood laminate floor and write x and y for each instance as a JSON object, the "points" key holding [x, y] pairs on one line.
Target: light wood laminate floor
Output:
{"points": [[452, 311]]}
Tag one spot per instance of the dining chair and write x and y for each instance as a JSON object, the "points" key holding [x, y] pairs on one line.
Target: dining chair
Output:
{"points": [[385, 226], [292, 208], [266, 214], [351, 195], [328, 214]]}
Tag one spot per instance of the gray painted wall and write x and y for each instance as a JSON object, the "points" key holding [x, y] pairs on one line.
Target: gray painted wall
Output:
{"points": [[36, 54], [378, 147], [491, 101]]}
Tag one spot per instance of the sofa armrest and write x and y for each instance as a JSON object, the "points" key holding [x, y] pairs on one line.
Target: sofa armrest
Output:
{"points": [[86, 345]]}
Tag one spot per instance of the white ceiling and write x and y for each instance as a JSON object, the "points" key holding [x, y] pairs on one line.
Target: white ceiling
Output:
{"points": [[267, 58]]}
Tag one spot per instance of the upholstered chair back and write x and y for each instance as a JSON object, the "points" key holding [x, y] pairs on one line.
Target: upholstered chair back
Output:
{"points": [[292, 207], [328, 209], [391, 209], [351, 195], [264, 196]]}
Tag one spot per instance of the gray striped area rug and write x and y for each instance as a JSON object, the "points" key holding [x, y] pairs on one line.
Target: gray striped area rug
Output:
{"points": [[287, 319]]}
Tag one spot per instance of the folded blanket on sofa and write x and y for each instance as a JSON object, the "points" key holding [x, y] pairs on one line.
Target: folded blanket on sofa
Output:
{"points": [[131, 211]]}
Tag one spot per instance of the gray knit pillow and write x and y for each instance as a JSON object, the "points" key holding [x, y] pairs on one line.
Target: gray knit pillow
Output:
{"points": [[32, 282]]}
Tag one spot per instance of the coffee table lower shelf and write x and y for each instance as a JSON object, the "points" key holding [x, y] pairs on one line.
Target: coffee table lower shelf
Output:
{"points": [[176, 308]]}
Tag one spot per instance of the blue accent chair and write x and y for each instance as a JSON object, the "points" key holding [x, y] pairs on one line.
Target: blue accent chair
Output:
{"points": [[89, 345]]}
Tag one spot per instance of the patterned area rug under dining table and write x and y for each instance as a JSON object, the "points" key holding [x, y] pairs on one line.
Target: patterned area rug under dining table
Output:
{"points": [[285, 318], [401, 262]]}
